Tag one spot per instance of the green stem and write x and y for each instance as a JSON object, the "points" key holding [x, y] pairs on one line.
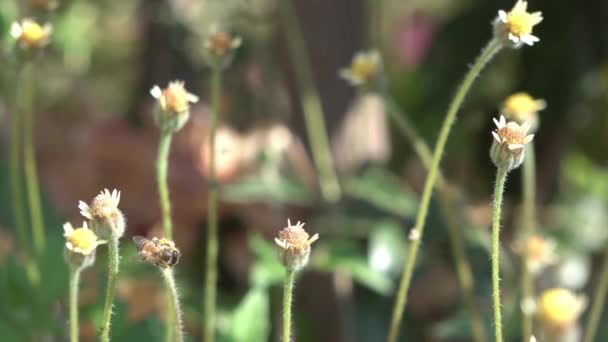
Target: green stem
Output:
{"points": [[599, 298], [287, 299], [163, 190], [29, 159], [486, 55], [528, 227], [446, 205], [74, 279], [501, 176], [174, 314], [113, 264], [311, 104], [212, 228]]}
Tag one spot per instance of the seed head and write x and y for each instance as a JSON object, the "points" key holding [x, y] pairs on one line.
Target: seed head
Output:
{"points": [[219, 48], [559, 309], [80, 245], [514, 28], [538, 252], [365, 66], [173, 106], [510, 140], [521, 107], [294, 246], [30, 35], [106, 220]]}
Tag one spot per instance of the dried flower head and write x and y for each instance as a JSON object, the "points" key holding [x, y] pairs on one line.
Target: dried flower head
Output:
{"points": [[510, 140], [294, 246], [106, 220], [365, 66], [539, 252], [31, 35], [559, 309], [514, 28], [219, 48], [521, 107], [173, 106], [80, 244]]}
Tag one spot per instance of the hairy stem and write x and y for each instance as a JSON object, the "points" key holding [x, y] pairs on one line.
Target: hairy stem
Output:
{"points": [[599, 298], [174, 315], [113, 264], [29, 158], [74, 280], [163, 189], [528, 227], [486, 55], [287, 299], [212, 228], [311, 104], [501, 176]]}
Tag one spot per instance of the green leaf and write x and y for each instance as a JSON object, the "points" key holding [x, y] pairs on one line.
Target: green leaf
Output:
{"points": [[266, 270], [250, 319]]}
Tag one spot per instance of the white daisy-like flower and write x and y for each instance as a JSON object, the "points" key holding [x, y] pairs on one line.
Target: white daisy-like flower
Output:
{"points": [[29, 34], [509, 141], [516, 25], [174, 99], [80, 240], [364, 67], [103, 214], [294, 246]]}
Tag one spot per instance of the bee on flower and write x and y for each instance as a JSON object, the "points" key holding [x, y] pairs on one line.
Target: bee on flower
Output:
{"points": [[173, 106], [521, 107], [294, 246], [364, 68], [510, 140], [30, 35], [514, 28], [106, 220], [80, 245]]}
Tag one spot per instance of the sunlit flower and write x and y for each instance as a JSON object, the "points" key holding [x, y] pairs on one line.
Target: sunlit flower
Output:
{"points": [[294, 246], [364, 67], [538, 252], [559, 308], [515, 27], [103, 214], [31, 35], [510, 139], [219, 48], [521, 107], [80, 244], [173, 108]]}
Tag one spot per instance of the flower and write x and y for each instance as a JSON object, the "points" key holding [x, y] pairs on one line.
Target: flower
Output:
{"points": [[31, 35], [103, 214], [80, 244], [47, 5], [514, 28], [521, 107], [219, 48], [294, 246], [507, 149], [364, 67], [537, 251], [173, 105], [559, 309]]}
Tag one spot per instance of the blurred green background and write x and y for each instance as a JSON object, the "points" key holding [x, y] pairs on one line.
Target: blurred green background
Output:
{"points": [[94, 130]]}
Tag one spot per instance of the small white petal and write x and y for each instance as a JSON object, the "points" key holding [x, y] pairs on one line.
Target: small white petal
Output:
{"points": [[530, 39], [16, 30], [67, 228], [497, 123], [525, 127], [313, 238], [503, 16], [281, 243], [69, 246], [513, 38], [496, 137], [528, 138], [514, 147], [192, 98]]}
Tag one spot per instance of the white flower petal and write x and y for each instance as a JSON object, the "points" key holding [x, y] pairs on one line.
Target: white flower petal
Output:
{"points": [[514, 147], [496, 137], [528, 138], [16, 30], [502, 15], [313, 238], [67, 229], [503, 121], [515, 39]]}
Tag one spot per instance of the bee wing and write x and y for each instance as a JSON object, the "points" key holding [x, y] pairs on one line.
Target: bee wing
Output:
{"points": [[137, 239]]}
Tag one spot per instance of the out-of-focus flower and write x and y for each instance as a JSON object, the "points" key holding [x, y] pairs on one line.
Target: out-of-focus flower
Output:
{"points": [[364, 68], [80, 244], [47, 5], [173, 106], [514, 28], [294, 246], [521, 107], [538, 252], [31, 35], [559, 309], [106, 220], [510, 139], [219, 48]]}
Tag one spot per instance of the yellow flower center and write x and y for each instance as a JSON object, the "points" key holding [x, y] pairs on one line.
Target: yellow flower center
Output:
{"points": [[176, 98], [537, 248], [220, 43], [559, 308], [363, 69], [83, 239], [520, 22]]}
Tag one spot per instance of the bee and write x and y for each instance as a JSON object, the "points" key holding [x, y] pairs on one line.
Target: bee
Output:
{"points": [[160, 252]]}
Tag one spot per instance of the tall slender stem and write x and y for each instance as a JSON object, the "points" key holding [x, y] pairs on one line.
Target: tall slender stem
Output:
{"points": [[29, 158], [174, 316], [212, 228], [311, 104], [463, 267], [528, 227], [501, 176], [113, 264], [74, 280], [599, 298], [486, 55], [163, 189], [287, 299]]}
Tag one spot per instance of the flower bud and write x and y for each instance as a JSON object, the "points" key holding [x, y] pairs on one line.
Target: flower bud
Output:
{"points": [[514, 28], [106, 220], [294, 246], [509, 143], [219, 49], [364, 68], [560, 309], [521, 107], [173, 106], [30, 35], [80, 245]]}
